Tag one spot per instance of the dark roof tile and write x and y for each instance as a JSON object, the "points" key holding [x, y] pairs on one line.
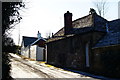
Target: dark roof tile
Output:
{"points": [[28, 40], [91, 22], [108, 40]]}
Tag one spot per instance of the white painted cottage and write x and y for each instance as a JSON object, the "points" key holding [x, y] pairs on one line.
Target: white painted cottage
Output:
{"points": [[33, 47]]}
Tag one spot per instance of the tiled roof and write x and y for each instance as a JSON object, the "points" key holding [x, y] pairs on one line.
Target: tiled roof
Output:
{"points": [[82, 30], [114, 26], [28, 40], [60, 32], [112, 37], [91, 22], [78, 23], [99, 23], [109, 39], [38, 40], [94, 22], [83, 22]]}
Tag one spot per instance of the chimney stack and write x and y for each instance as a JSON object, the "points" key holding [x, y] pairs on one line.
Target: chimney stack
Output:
{"points": [[39, 35], [67, 22]]}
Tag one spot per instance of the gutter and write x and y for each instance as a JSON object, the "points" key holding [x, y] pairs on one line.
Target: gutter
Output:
{"points": [[106, 46]]}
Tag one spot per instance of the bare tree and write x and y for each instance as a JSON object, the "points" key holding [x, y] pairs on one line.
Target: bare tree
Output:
{"points": [[48, 34], [102, 7]]}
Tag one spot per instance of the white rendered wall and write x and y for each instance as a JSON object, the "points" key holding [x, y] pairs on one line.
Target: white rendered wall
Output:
{"points": [[33, 52], [26, 52]]}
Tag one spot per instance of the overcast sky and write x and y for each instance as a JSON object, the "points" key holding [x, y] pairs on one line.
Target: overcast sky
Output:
{"points": [[48, 15]]}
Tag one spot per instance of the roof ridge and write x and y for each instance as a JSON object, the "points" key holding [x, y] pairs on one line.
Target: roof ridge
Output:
{"points": [[81, 17], [29, 37]]}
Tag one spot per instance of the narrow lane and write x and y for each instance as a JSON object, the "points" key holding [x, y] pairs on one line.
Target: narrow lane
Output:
{"points": [[32, 69], [21, 70]]}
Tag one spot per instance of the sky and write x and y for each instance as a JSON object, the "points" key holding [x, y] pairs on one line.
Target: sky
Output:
{"points": [[47, 16]]}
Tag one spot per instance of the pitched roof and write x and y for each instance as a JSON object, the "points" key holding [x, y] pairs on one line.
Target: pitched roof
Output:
{"points": [[112, 37], [94, 22], [76, 24], [114, 26], [109, 39], [60, 32], [28, 40], [38, 40], [91, 22]]}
